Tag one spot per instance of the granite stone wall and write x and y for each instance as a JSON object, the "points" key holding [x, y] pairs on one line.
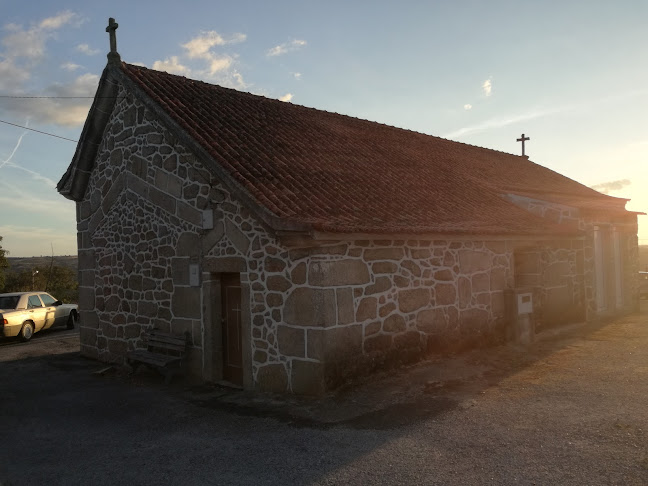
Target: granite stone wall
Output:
{"points": [[343, 309], [586, 287], [554, 272]]}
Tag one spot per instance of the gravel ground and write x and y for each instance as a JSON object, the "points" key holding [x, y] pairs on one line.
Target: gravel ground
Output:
{"points": [[568, 409]]}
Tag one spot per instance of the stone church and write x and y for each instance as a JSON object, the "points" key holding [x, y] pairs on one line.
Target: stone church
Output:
{"points": [[301, 248]]}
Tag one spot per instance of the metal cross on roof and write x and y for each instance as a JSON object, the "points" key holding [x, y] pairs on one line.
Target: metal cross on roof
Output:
{"points": [[113, 55], [523, 139]]}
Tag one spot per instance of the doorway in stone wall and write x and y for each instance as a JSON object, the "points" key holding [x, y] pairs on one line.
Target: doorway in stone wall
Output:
{"points": [[231, 328]]}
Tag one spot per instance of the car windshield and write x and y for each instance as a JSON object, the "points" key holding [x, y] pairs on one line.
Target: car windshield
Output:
{"points": [[9, 301]]}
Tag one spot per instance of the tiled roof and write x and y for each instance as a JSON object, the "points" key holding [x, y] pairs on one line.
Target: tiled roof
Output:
{"points": [[336, 173]]}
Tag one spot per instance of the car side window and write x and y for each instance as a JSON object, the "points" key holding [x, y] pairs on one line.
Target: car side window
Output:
{"points": [[34, 301], [47, 300]]}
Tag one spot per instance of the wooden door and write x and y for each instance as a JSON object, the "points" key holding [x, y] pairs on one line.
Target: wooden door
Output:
{"points": [[231, 320]]}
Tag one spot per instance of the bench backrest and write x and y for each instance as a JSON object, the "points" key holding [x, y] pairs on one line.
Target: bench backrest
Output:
{"points": [[165, 343]]}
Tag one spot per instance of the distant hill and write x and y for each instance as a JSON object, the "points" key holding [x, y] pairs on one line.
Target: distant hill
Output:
{"points": [[18, 264]]}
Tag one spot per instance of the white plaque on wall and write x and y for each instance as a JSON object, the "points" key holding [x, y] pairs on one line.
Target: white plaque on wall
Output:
{"points": [[194, 275]]}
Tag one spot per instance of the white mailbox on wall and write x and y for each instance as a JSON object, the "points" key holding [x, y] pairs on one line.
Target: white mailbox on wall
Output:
{"points": [[519, 306], [524, 303], [194, 275]]}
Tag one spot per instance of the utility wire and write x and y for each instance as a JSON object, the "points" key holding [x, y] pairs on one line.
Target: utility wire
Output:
{"points": [[38, 131]]}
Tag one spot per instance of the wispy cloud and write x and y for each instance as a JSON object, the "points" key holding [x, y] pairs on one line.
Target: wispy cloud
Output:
{"points": [[286, 97], [201, 60], [467, 106], [281, 49], [15, 149], [200, 46], [500, 122], [487, 86], [70, 66], [607, 187], [18, 197], [59, 111], [171, 65], [503, 121], [34, 175], [12, 76], [59, 20], [30, 42], [221, 63], [23, 49], [87, 50]]}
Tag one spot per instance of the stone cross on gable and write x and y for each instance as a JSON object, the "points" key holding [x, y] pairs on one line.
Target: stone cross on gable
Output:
{"points": [[113, 55], [523, 139]]}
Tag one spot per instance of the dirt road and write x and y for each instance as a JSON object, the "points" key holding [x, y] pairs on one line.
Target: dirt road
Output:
{"points": [[569, 409]]}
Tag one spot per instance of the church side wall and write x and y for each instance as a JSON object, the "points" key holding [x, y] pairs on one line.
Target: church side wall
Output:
{"points": [[347, 308]]}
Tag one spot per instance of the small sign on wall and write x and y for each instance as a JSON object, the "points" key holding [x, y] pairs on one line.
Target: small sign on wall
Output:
{"points": [[525, 303], [194, 274], [208, 219]]}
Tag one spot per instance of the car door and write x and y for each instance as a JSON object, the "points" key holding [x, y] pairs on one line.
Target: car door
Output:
{"points": [[37, 312], [52, 315]]}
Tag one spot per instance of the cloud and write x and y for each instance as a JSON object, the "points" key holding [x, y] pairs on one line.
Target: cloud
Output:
{"points": [[12, 76], [200, 46], [67, 112], [22, 198], [70, 66], [286, 97], [200, 61], [87, 50], [607, 187], [171, 65], [59, 20], [286, 47], [467, 106], [500, 122], [34, 175], [220, 64], [30, 43], [487, 87], [15, 149]]}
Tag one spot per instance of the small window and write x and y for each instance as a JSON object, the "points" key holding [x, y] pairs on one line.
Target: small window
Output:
{"points": [[47, 300], [34, 301]]}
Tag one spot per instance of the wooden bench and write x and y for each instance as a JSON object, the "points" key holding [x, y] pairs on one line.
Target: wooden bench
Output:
{"points": [[165, 352]]}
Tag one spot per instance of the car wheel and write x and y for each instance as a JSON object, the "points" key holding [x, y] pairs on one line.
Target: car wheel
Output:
{"points": [[71, 322], [27, 331]]}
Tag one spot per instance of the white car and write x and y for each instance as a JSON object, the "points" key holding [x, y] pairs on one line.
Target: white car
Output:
{"points": [[24, 313]]}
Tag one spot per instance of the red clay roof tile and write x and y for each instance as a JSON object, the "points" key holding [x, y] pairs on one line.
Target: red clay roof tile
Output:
{"points": [[342, 174]]}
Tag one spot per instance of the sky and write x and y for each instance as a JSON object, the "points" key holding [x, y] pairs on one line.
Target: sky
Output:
{"points": [[571, 75]]}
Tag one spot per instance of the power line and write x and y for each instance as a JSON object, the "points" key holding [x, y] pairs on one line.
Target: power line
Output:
{"points": [[38, 131]]}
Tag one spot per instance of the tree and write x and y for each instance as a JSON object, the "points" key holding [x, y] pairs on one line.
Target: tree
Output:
{"points": [[4, 264], [61, 282]]}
